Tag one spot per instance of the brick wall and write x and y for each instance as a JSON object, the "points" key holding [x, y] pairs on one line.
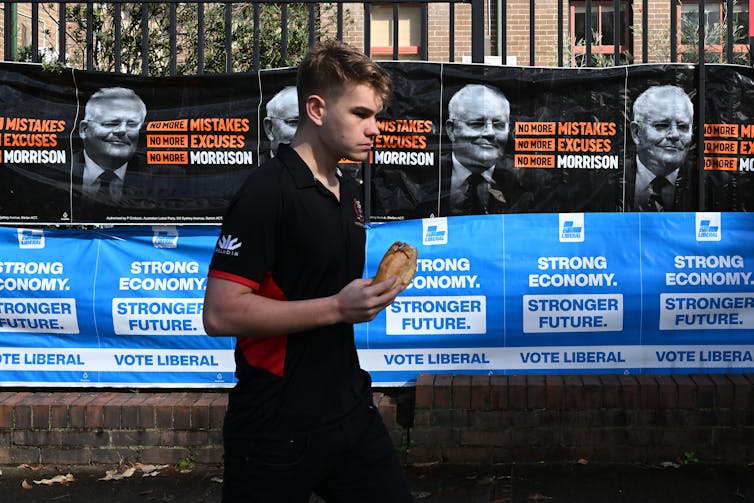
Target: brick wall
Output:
{"points": [[445, 418], [106, 427], [610, 418]]}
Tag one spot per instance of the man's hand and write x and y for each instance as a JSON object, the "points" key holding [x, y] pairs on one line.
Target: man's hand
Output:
{"points": [[362, 299]]}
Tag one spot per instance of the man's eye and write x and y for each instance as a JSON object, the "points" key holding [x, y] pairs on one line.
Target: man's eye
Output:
{"points": [[661, 126], [111, 124]]}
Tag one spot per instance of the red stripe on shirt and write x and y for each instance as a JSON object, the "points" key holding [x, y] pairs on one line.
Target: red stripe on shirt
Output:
{"points": [[266, 353]]}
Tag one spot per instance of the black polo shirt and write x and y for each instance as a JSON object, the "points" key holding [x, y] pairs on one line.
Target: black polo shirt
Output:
{"points": [[287, 237]]}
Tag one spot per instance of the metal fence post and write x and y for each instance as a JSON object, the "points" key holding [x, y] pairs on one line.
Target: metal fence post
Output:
{"points": [[477, 32]]}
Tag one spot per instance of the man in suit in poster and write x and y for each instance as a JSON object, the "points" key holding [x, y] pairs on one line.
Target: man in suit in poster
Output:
{"points": [[282, 118], [478, 178], [658, 179], [109, 178]]}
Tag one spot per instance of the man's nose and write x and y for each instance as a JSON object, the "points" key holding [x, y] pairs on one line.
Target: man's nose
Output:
{"points": [[121, 128], [673, 131], [372, 129]]}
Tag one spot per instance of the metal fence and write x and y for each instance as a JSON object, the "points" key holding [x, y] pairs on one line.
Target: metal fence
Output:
{"points": [[171, 37]]}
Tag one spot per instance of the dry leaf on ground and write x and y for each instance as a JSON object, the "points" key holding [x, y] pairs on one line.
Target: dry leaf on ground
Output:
{"points": [[57, 479], [539, 497]]}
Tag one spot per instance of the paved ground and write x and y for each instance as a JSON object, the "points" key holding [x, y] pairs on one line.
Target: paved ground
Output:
{"points": [[554, 483]]}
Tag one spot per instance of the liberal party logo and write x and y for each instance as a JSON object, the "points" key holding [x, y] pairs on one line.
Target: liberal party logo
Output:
{"points": [[571, 229], [227, 245], [708, 226], [165, 237], [31, 239], [435, 231]]}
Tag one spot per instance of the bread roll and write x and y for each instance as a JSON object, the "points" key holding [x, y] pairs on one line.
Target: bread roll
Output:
{"points": [[399, 261]]}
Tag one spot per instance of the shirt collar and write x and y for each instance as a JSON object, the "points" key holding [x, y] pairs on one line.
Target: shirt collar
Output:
{"points": [[644, 177], [92, 170], [302, 175]]}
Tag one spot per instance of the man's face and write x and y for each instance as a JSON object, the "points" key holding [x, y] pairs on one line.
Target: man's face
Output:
{"points": [[479, 130], [280, 126], [111, 132], [663, 134], [349, 122]]}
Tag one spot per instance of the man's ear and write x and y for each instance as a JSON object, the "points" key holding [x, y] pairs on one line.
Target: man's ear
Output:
{"points": [[634, 127], [450, 128], [267, 124], [83, 128], [315, 109]]}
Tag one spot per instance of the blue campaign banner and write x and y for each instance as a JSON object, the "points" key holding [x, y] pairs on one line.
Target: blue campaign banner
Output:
{"points": [[108, 307], [510, 293], [569, 293]]}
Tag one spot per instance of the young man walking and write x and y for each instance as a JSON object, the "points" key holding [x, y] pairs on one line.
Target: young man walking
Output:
{"points": [[285, 279]]}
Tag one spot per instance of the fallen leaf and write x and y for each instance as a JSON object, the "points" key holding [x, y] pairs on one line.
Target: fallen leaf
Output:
{"points": [[57, 479], [149, 468], [26, 485], [219, 480], [426, 465], [29, 467], [539, 497], [669, 464], [583, 461], [115, 475], [422, 495]]}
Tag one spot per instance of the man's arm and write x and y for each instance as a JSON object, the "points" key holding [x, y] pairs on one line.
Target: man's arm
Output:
{"points": [[231, 308]]}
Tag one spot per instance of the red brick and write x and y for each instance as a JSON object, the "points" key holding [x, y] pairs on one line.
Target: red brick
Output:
{"points": [[629, 391], [536, 392], [517, 392], [686, 391], [742, 391], [78, 456], [442, 390], [77, 410], [555, 386], [424, 389], [460, 397], [164, 415], [217, 412], [480, 392], [668, 393], [58, 416], [95, 411], [705, 391], [648, 393], [723, 391], [611, 391], [499, 392], [574, 391], [592, 389]]}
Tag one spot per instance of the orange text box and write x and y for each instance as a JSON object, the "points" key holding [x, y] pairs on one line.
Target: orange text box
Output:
{"points": [[720, 164], [534, 161], [167, 141], [535, 128], [721, 130], [535, 144], [720, 147], [167, 157], [175, 125]]}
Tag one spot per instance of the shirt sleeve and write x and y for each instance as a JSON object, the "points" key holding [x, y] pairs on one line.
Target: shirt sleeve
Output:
{"points": [[246, 248]]}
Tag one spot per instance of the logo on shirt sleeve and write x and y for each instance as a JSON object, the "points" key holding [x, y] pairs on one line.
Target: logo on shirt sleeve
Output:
{"points": [[358, 211], [228, 245]]}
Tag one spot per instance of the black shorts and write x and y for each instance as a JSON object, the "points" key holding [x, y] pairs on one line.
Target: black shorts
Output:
{"points": [[353, 461]]}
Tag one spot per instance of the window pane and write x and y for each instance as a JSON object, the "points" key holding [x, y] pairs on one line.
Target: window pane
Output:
{"points": [[608, 31]]}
